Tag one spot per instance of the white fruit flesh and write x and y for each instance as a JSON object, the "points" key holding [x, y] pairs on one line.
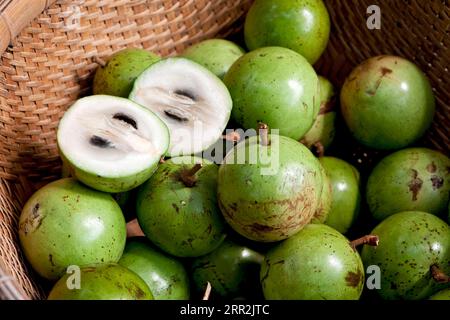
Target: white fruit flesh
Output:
{"points": [[194, 104], [111, 136]]}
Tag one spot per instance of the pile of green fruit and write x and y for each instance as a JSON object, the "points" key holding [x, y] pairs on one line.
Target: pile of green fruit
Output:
{"points": [[268, 219]]}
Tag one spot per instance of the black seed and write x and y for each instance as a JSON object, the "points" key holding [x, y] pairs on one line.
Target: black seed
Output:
{"points": [[186, 93], [100, 142], [125, 118], [174, 116]]}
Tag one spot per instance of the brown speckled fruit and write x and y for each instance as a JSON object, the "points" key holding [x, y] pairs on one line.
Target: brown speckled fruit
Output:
{"points": [[410, 244], [409, 179], [117, 76], [164, 274], [177, 207], [317, 263], [300, 25], [272, 193], [66, 223], [102, 282], [387, 103]]}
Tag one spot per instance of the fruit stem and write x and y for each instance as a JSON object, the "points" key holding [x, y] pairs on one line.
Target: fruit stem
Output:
{"points": [[207, 291], [99, 61], [134, 229], [320, 150], [264, 134], [370, 239], [232, 136], [188, 176], [438, 275]]}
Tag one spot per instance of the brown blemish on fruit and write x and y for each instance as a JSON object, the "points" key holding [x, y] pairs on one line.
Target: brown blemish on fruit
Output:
{"points": [[415, 184], [135, 291], [300, 208], [50, 258], [32, 222], [384, 71], [431, 168], [327, 106], [437, 182], [261, 228], [353, 279], [176, 207], [233, 206], [209, 230]]}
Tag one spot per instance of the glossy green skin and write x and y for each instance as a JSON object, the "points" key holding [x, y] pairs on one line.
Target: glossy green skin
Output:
{"points": [[116, 78], [103, 282], [164, 275], [415, 179], [317, 263], [217, 55], [321, 214], [276, 86], [300, 25], [275, 205], [410, 243], [441, 295], [66, 223], [323, 129], [183, 221], [231, 269], [387, 103], [346, 197], [108, 184]]}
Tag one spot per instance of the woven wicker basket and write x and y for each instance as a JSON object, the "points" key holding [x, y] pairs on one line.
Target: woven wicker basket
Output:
{"points": [[48, 57]]}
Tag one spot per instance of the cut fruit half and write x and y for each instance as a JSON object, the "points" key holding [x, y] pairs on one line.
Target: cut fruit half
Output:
{"points": [[111, 144], [193, 103]]}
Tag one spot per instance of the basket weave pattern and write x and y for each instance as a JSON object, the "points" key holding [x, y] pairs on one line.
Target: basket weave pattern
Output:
{"points": [[51, 62]]}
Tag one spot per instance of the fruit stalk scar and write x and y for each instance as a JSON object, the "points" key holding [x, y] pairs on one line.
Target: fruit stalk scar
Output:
{"points": [[263, 130], [371, 240], [188, 176], [438, 275], [232, 136], [134, 230]]}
